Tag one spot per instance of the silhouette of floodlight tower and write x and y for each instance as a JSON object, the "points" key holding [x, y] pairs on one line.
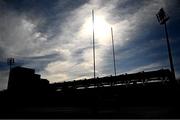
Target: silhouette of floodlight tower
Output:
{"points": [[10, 62], [162, 19], [113, 51]]}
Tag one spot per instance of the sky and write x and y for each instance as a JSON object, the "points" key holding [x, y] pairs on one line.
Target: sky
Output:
{"points": [[54, 37]]}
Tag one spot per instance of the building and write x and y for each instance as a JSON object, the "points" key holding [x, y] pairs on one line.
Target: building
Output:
{"points": [[23, 80]]}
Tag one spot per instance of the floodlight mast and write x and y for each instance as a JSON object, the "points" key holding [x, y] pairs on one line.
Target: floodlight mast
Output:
{"points": [[10, 62], [162, 19]]}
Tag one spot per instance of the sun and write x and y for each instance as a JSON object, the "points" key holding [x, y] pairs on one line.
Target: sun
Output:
{"points": [[101, 28]]}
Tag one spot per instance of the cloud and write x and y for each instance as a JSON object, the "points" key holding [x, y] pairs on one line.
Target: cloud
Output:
{"points": [[55, 37], [23, 35], [20, 38], [75, 37], [146, 68]]}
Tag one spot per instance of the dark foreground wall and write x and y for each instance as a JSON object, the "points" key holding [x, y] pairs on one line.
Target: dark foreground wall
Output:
{"points": [[140, 95], [153, 100]]}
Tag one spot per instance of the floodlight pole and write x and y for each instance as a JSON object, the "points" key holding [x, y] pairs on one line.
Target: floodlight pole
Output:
{"points": [[162, 19], [93, 45], [169, 52], [113, 51], [10, 62]]}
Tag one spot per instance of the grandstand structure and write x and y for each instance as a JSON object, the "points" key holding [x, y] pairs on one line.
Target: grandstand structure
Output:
{"points": [[140, 78]]}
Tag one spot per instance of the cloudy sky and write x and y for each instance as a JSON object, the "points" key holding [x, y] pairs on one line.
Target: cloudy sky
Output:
{"points": [[55, 37]]}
